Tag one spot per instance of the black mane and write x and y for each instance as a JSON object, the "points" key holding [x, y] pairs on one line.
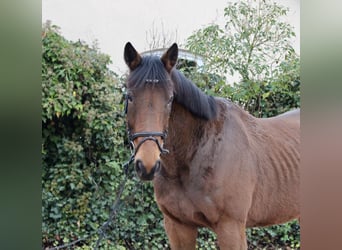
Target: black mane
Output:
{"points": [[186, 92], [192, 98]]}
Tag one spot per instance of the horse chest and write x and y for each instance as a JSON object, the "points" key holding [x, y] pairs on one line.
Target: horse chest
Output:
{"points": [[186, 206]]}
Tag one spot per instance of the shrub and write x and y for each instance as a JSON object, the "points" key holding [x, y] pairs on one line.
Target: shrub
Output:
{"points": [[83, 147], [83, 133]]}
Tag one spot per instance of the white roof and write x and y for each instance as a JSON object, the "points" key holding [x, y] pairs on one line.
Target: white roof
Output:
{"points": [[182, 54]]}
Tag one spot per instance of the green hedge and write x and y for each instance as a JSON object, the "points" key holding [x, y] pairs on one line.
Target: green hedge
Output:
{"points": [[83, 135], [83, 147]]}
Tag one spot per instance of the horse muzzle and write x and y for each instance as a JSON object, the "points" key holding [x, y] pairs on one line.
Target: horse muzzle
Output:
{"points": [[145, 166], [142, 172]]}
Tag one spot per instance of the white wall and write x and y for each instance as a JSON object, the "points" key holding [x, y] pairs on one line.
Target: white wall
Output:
{"points": [[114, 22]]}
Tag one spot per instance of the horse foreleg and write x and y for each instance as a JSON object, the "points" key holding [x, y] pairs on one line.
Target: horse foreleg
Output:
{"points": [[231, 235], [181, 236]]}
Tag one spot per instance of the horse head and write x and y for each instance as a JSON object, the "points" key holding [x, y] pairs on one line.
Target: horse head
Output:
{"points": [[149, 100]]}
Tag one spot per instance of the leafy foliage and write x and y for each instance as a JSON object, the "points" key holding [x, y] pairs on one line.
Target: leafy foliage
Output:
{"points": [[254, 45], [251, 43], [83, 132], [275, 237]]}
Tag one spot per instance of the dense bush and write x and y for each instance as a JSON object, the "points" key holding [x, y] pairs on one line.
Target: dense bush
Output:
{"points": [[83, 148], [84, 145]]}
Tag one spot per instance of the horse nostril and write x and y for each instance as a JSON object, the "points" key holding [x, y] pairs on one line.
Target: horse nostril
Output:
{"points": [[139, 166]]}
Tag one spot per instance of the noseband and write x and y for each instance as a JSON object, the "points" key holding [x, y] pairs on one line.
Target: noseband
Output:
{"points": [[147, 136]]}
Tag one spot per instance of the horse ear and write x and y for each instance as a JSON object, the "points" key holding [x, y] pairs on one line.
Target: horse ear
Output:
{"points": [[131, 56], [170, 57]]}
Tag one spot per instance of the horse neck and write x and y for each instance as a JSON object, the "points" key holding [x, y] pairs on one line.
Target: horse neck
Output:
{"points": [[184, 134]]}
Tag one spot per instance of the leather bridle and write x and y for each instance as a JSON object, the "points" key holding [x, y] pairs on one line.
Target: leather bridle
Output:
{"points": [[147, 136]]}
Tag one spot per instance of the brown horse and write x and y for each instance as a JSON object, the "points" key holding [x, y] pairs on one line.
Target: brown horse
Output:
{"points": [[212, 164]]}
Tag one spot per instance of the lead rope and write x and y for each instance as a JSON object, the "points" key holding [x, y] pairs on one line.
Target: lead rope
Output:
{"points": [[102, 229]]}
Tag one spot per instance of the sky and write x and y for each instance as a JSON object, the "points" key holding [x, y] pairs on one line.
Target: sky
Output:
{"points": [[112, 23]]}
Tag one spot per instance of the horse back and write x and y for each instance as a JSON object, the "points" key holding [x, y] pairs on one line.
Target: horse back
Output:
{"points": [[293, 115]]}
